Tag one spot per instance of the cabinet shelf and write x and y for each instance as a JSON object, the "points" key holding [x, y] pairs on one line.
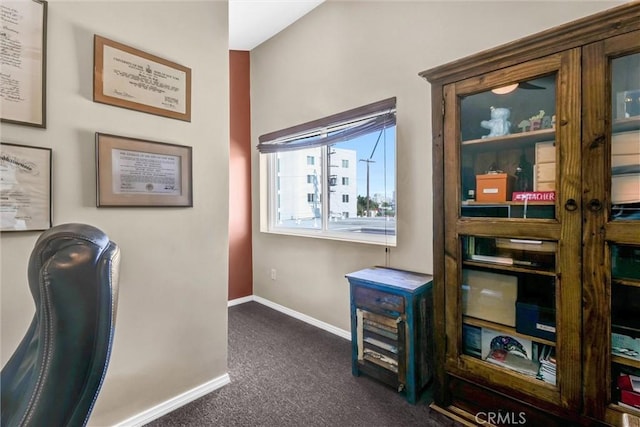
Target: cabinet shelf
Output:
{"points": [[625, 125], [538, 384], [502, 328], [623, 409], [509, 203], [505, 267], [620, 360], [626, 282], [514, 140]]}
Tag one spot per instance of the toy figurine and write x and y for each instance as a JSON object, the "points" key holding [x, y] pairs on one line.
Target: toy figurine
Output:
{"points": [[499, 124]]}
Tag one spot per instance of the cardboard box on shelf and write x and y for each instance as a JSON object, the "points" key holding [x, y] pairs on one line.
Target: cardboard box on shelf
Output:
{"points": [[544, 176], [489, 296], [545, 152], [494, 187]]}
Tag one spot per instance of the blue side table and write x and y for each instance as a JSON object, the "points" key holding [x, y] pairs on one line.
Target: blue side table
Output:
{"points": [[391, 328]]}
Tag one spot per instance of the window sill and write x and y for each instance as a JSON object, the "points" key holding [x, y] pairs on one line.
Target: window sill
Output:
{"points": [[369, 239]]}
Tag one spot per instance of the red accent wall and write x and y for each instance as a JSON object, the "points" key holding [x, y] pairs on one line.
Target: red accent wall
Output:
{"points": [[240, 259]]}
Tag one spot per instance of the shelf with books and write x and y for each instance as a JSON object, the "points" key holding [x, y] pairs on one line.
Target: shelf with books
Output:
{"points": [[625, 389], [503, 347]]}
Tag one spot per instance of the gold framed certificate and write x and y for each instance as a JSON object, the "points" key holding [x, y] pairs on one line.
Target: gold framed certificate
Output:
{"points": [[129, 78], [136, 172]]}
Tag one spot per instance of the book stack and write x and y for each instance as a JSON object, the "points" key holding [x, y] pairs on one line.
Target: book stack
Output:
{"points": [[546, 356], [629, 386]]}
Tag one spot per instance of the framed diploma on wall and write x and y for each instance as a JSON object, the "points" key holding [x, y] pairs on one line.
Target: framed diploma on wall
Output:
{"points": [[129, 78], [136, 172], [23, 58], [25, 188]]}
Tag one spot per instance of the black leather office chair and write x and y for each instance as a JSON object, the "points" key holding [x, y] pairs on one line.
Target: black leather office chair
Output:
{"points": [[54, 376]]}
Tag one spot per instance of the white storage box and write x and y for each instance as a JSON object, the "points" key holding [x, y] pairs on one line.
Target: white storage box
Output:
{"points": [[625, 188], [625, 143]]}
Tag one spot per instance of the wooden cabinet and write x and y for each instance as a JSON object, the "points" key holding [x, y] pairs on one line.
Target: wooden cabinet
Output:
{"points": [[536, 148], [391, 314]]}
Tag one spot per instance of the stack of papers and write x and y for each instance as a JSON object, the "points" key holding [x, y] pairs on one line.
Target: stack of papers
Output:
{"points": [[548, 367], [514, 362]]}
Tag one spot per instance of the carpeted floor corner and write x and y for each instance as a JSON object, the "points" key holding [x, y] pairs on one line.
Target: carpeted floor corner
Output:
{"points": [[285, 372]]}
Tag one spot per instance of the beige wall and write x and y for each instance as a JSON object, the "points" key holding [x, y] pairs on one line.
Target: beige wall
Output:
{"points": [[344, 54], [171, 326]]}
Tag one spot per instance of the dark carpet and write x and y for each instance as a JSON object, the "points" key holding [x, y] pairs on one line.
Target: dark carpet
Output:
{"points": [[285, 372]]}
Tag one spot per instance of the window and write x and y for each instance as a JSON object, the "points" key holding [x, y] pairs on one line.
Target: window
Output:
{"points": [[305, 161]]}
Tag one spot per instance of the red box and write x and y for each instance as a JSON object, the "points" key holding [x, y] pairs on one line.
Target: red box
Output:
{"points": [[630, 398], [494, 187]]}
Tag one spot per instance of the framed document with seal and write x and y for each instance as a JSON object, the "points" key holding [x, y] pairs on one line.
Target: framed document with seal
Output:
{"points": [[136, 172], [129, 78], [25, 188], [23, 47]]}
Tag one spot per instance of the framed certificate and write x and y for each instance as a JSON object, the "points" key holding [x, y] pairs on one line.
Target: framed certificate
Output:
{"points": [[136, 172], [23, 58], [129, 78], [25, 188]]}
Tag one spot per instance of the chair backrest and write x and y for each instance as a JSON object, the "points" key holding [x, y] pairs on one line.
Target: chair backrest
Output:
{"points": [[54, 376]]}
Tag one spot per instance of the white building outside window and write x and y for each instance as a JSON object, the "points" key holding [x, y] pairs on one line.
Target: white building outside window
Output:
{"points": [[351, 160]]}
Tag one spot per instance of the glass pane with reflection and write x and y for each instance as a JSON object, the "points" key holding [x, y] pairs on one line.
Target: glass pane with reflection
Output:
{"points": [[625, 138], [508, 151]]}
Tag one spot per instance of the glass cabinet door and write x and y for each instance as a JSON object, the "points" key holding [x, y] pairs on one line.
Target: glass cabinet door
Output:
{"points": [[612, 229], [512, 226], [508, 150], [625, 258]]}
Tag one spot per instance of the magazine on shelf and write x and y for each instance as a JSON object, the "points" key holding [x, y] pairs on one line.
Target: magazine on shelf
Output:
{"points": [[514, 362]]}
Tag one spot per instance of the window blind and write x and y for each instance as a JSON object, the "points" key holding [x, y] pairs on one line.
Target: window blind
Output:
{"points": [[333, 129]]}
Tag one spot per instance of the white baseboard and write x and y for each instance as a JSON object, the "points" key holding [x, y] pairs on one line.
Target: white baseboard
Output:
{"points": [[308, 319], [237, 301], [175, 402]]}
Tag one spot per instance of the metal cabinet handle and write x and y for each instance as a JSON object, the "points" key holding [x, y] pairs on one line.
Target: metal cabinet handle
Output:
{"points": [[595, 205], [571, 205]]}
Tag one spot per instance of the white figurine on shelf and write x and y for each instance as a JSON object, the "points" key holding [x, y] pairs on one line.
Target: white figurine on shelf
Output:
{"points": [[499, 124]]}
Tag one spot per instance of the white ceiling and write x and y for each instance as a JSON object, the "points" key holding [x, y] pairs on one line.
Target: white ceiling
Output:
{"points": [[252, 22]]}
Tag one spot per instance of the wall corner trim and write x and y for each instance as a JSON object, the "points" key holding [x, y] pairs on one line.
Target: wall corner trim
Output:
{"points": [[175, 402]]}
